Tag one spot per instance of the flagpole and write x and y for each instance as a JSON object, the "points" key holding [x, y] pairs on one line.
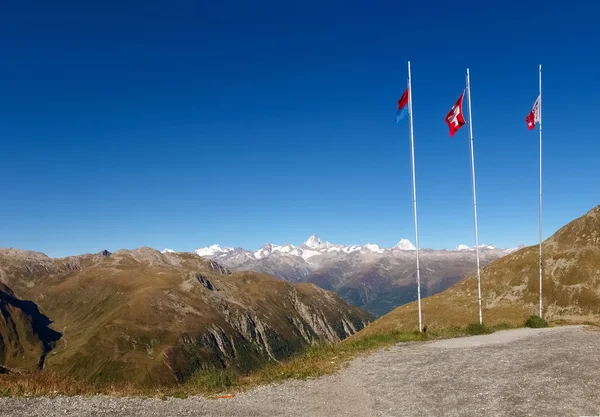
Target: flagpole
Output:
{"points": [[414, 184], [474, 196], [540, 113]]}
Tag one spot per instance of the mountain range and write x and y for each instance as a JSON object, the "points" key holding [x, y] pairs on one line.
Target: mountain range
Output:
{"points": [[368, 276], [152, 318]]}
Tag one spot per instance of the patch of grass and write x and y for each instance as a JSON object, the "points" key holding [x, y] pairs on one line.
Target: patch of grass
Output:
{"points": [[502, 326], [475, 329], [536, 322], [214, 381]]}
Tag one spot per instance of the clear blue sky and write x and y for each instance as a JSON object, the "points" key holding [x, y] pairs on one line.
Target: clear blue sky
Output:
{"points": [[187, 123]]}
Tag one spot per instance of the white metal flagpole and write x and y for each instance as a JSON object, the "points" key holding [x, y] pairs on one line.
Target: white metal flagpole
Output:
{"points": [[474, 196], [540, 114], [414, 183]]}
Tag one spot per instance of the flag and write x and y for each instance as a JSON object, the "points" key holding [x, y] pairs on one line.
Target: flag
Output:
{"points": [[455, 119], [402, 108], [534, 115]]}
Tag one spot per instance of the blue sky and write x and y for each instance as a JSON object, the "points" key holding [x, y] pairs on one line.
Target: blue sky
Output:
{"points": [[187, 123]]}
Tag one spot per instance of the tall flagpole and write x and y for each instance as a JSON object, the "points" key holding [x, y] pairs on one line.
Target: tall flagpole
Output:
{"points": [[474, 196], [540, 113], [414, 183]]}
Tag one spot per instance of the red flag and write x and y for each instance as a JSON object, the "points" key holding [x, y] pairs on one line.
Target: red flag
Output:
{"points": [[534, 115], [455, 119], [403, 100], [402, 109], [530, 120]]}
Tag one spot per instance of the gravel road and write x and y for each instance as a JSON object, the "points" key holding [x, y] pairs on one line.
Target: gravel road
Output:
{"points": [[524, 372]]}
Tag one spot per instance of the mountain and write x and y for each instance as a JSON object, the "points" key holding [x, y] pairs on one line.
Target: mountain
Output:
{"points": [[150, 317], [510, 286], [377, 279]]}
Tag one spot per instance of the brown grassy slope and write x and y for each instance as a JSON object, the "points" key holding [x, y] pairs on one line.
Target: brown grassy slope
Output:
{"points": [[156, 318], [510, 286]]}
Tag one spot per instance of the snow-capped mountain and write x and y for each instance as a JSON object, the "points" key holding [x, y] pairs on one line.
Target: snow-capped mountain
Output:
{"points": [[489, 247], [511, 250], [311, 248], [405, 244], [369, 276], [314, 248], [212, 250], [314, 242], [373, 248]]}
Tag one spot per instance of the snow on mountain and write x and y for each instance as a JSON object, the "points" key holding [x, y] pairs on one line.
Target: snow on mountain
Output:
{"points": [[373, 248], [307, 254], [167, 250], [487, 247], [405, 244], [266, 250], [313, 242], [511, 250], [212, 250], [468, 248], [350, 249], [287, 248]]}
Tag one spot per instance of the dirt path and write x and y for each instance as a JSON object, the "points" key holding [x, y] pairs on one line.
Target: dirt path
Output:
{"points": [[525, 372]]}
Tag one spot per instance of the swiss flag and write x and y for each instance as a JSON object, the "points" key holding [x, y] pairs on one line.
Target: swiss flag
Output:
{"points": [[530, 120], [534, 115], [455, 119]]}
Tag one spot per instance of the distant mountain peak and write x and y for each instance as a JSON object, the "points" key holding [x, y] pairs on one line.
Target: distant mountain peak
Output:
{"points": [[405, 244], [212, 250], [373, 248], [313, 242], [468, 248], [511, 250]]}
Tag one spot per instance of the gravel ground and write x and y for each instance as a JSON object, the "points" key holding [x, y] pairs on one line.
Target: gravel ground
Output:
{"points": [[524, 372]]}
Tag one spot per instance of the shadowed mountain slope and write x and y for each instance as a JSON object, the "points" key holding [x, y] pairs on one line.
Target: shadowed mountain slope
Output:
{"points": [[25, 337]]}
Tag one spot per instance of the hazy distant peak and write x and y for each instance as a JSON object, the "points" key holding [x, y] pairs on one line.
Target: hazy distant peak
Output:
{"points": [[373, 248], [405, 244]]}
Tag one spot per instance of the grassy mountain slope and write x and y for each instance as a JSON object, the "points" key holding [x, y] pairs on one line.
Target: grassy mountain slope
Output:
{"points": [[510, 285], [158, 318]]}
